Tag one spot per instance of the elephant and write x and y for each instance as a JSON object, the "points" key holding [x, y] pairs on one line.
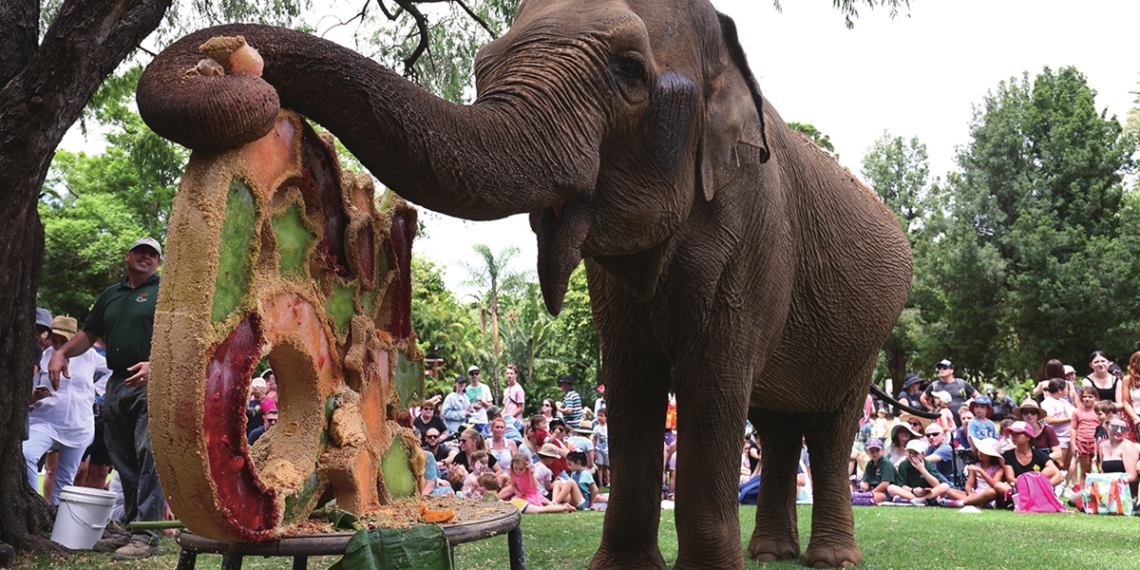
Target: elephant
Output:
{"points": [[728, 258]]}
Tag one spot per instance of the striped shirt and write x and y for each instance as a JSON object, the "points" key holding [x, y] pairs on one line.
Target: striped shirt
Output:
{"points": [[573, 403]]}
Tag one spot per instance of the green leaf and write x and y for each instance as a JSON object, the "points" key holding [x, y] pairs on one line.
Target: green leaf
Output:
{"points": [[421, 547]]}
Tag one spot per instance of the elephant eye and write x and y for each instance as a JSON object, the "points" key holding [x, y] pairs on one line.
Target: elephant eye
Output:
{"points": [[629, 67]]}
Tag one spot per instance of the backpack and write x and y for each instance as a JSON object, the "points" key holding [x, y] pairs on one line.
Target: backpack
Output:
{"points": [[1035, 495]]}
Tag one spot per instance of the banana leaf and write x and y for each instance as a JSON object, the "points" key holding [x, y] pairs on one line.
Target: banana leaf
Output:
{"points": [[422, 547]]}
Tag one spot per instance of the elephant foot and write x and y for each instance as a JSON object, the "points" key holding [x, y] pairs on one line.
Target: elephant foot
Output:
{"points": [[837, 556], [609, 559], [770, 549]]}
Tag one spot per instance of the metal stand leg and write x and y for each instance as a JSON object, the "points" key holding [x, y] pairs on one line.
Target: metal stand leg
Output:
{"points": [[186, 560], [231, 561], [300, 563], [515, 547]]}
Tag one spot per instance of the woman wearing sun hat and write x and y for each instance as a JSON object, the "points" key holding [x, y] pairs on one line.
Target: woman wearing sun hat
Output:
{"points": [[1044, 436], [909, 428]]}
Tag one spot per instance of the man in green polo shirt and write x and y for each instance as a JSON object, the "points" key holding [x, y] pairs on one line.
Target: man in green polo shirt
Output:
{"points": [[124, 318]]}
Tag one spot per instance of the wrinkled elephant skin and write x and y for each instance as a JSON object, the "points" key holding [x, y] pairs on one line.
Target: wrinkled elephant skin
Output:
{"points": [[727, 256]]}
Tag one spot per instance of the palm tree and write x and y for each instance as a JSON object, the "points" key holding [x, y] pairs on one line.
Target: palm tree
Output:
{"points": [[492, 277]]}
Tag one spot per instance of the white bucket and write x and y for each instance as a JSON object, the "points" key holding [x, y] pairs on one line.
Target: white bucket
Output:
{"points": [[83, 514]]}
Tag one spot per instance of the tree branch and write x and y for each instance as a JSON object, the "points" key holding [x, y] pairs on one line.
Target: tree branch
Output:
{"points": [[360, 15], [422, 27]]}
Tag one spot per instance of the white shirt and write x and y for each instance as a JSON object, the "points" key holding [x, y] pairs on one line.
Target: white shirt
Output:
{"points": [[1057, 408], [67, 415], [479, 416]]}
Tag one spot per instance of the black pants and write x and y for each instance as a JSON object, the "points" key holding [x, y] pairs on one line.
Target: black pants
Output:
{"points": [[126, 430]]}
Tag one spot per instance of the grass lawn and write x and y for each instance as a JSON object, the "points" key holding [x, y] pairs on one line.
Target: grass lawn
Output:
{"points": [[891, 537]]}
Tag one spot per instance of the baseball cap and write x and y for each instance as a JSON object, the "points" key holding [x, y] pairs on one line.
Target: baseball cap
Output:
{"points": [[1069, 370], [873, 443], [1019, 427], [460, 379], [149, 242], [258, 382], [473, 368], [916, 445], [945, 364], [566, 379]]}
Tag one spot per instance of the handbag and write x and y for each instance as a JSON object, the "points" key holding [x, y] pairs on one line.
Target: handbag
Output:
{"points": [[1106, 494]]}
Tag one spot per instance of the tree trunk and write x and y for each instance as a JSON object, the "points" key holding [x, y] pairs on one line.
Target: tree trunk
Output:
{"points": [[896, 365], [44, 89], [495, 343]]}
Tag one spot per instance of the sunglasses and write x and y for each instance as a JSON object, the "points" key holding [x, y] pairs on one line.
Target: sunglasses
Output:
{"points": [[916, 424], [433, 437], [1030, 412], [932, 435], [474, 374], [941, 367], [1118, 429]]}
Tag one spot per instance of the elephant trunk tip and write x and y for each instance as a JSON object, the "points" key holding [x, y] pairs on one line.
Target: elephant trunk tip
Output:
{"points": [[215, 103]]}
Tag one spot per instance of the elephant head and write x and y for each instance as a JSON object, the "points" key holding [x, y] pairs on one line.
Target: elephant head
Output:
{"points": [[605, 121]]}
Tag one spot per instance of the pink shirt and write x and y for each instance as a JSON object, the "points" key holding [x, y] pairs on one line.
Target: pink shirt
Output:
{"points": [[513, 400], [1086, 422]]}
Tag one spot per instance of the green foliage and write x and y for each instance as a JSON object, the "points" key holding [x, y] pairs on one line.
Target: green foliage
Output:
{"points": [[492, 278], [899, 172], [445, 329], [1029, 249], [814, 134], [94, 207]]}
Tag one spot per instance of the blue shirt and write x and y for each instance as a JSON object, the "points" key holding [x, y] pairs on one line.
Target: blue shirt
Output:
{"points": [[945, 455], [584, 480], [981, 429]]}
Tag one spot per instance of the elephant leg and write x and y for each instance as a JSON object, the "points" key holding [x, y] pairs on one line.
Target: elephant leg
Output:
{"points": [[829, 436], [710, 422], [776, 536], [636, 399]]}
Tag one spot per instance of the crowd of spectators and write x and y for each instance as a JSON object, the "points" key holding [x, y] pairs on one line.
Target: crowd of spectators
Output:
{"points": [[554, 461], [87, 407], [979, 445]]}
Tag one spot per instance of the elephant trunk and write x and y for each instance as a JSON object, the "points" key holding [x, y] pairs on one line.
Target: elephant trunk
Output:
{"points": [[484, 161]]}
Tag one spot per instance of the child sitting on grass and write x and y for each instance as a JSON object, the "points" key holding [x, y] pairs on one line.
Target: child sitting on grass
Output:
{"points": [[879, 472], [985, 483], [524, 490], [579, 490]]}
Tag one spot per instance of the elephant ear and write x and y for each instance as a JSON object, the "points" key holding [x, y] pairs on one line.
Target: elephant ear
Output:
{"points": [[734, 114]]}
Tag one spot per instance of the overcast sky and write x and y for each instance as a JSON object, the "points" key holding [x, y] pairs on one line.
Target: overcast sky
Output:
{"points": [[919, 74]]}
